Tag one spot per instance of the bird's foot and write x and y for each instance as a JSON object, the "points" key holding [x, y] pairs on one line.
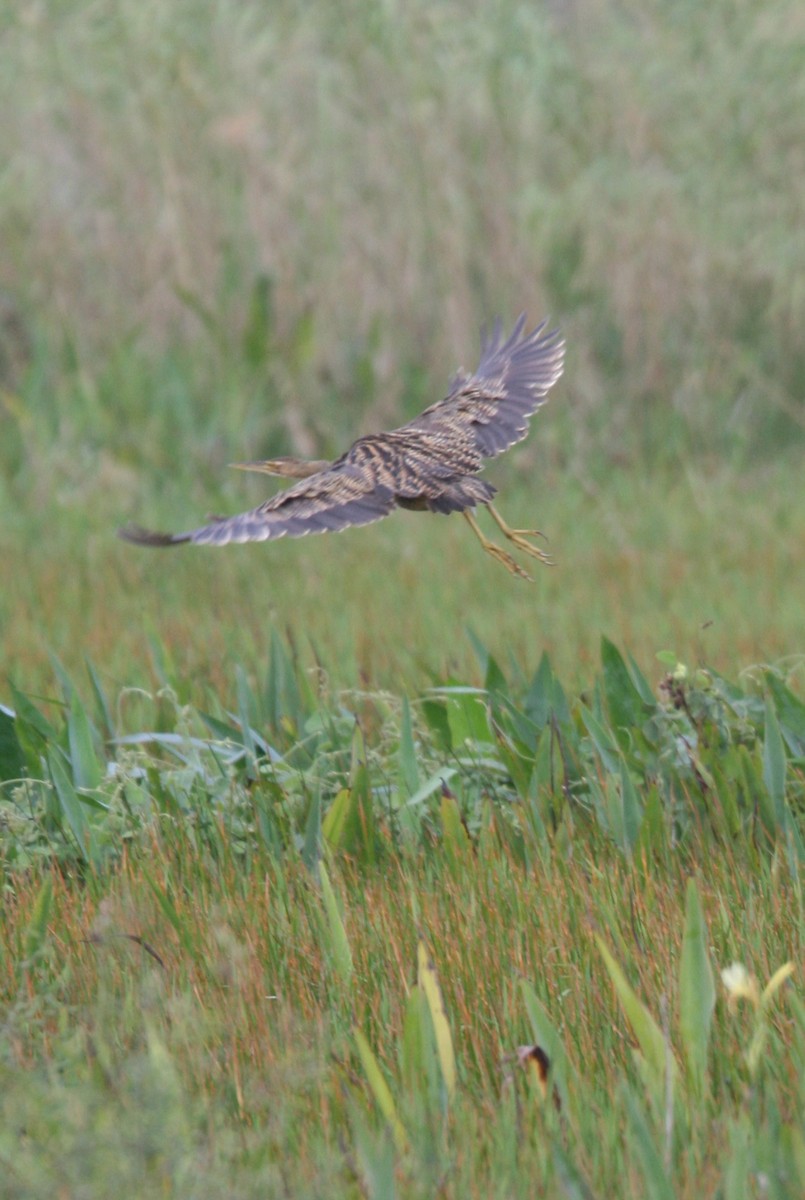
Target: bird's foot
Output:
{"points": [[502, 556], [520, 537]]}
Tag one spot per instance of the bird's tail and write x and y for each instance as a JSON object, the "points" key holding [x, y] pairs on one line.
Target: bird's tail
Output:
{"points": [[148, 537]]}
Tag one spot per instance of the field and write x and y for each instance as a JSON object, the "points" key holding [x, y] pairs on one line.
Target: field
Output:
{"points": [[317, 855]]}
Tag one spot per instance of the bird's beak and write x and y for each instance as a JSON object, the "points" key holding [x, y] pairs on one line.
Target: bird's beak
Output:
{"points": [[267, 468]]}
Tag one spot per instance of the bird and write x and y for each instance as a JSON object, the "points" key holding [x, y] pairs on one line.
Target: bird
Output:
{"points": [[430, 464]]}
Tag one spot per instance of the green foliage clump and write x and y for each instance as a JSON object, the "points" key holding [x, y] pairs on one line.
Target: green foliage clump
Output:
{"points": [[297, 769]]}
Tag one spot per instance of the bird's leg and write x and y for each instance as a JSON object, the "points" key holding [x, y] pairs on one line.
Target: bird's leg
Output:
{"points": [[520, 536], [496, 551]]}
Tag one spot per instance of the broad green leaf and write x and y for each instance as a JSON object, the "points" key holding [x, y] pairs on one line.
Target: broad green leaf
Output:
{"points": [[340, 952], [247, 712], [435, 714], [70, 804], [641, 684], [545, 698], [430, 786], [601, 738], [494, 679], [466, 713], [419, 1060], [64, 680], [653, 836], [625, 704], [668, 658], [429, 982], [33, 731], [515, 723], [314, 830], [101, 702], [790, 713], [631, 809], [340, 816], [27, 711], [413, 1041], [455, 837], [738, 1183], [774, 764], [538, 702], [223, 730], [83, 759], [381, 1091], [408, 765], [12, 759], [697, 992], [283, 706], [646, 1030], [758, 794]]}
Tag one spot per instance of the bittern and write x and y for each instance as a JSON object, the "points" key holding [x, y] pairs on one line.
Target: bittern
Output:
{"points": [[431, 464]]}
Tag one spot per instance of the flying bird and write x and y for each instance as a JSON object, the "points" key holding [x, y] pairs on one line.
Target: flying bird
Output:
{"points": [[429, 465]]}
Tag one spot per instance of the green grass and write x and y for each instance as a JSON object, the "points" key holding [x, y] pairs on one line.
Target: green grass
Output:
{"points": [[361, 190], [193, 999], [250, 945], [234, 1065], [704, 561]]}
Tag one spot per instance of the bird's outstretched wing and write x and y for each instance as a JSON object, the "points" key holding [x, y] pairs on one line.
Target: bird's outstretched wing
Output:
{"points": [[332, 499], [427, 463], [492, 407]]}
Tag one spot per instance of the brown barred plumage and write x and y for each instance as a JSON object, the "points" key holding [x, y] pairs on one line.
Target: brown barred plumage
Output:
{"points": [[431, 463]]}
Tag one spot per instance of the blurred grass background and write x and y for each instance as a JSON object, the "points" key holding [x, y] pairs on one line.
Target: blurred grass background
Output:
{"points": [[232, 229], [235, 229]]}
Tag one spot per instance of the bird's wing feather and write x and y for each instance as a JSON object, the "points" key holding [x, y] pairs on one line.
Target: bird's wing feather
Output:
{"points": [[331, 500], [483, 414], [492, 407]]}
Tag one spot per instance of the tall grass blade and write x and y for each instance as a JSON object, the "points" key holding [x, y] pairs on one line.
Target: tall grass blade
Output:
{"points": [[429, 982], [774, 765], [408, 765], [101, 701], [657, 1184], [181, 927], [573, 1184], [339, 948], [648, 1033], [314, 829], [697, 993], [381, 1091], [455, 838], [36, 931]]}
